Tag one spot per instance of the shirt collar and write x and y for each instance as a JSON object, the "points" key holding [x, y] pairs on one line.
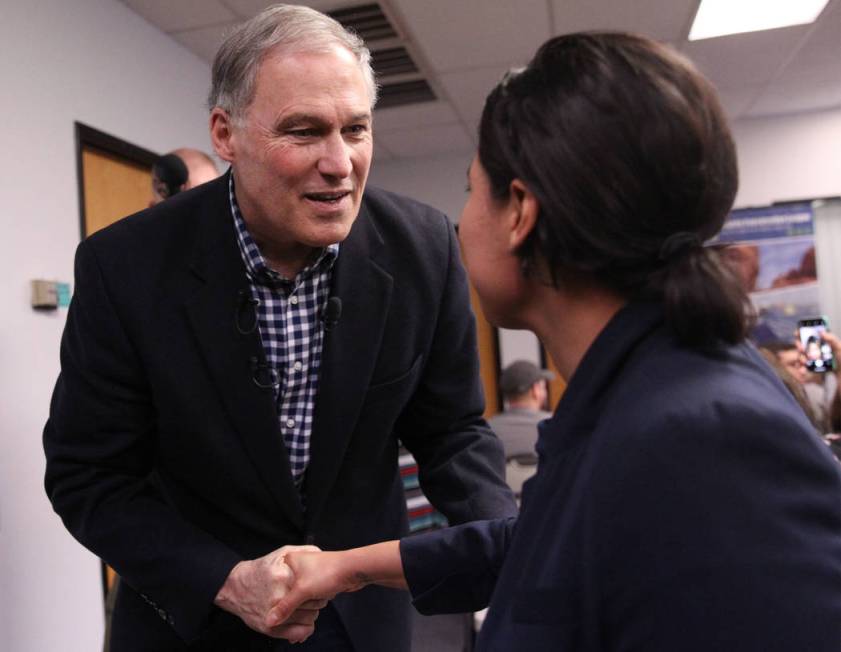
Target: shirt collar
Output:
{"points": [[256, 268]]}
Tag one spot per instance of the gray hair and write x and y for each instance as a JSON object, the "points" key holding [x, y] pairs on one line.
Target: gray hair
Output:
{"points": [[291, 27]]}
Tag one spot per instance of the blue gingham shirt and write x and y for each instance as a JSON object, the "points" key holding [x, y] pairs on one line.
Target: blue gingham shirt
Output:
{"points": [[291, 330]]}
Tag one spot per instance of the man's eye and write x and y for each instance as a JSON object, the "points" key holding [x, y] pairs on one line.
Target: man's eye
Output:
{"points": [[301, 133], [356, 129]]}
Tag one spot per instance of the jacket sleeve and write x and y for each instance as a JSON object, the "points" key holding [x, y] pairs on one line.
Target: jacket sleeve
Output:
{"points": [[461, 462], [100, 445], [454, 570]]}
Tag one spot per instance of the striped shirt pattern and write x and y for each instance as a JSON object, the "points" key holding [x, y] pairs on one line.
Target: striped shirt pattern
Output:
{"points": [[291, 330]]}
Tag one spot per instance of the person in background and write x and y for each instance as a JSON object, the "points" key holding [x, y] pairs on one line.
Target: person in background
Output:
{"points": [[241, 361], [821, 387], [524, 392], [788, 355], [786, 360], [181, 169], [833, 425], [683, 501]]}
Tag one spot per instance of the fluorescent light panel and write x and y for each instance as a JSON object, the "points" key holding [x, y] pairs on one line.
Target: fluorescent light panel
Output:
{"points": [[720, 17]]}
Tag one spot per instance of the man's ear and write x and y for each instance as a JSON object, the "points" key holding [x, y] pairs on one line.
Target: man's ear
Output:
{"points": [[221, 134], [524, 212]]}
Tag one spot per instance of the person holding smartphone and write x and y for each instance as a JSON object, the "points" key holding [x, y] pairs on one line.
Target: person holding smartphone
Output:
{"points": [[820, 382], [682, 501], [832, 434]]}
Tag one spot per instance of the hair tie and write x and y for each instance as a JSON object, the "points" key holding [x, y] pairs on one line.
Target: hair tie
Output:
{"points": [[678, 244]]}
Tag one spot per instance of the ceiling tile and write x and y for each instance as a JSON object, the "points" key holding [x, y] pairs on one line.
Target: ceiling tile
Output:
{"points": [[737, 101], [821, 53], [204, 42], [468, 90], [249, 8], [664, 20], [415, 115], [465, 47], [472, 33], [426, 141], [184, 14], [745, 59]]}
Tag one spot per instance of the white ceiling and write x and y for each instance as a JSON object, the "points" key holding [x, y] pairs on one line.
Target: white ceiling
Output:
{"points": [[464, 46]]}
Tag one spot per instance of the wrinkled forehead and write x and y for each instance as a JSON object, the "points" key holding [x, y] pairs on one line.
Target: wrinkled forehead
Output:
{"points": [[334, 59]]}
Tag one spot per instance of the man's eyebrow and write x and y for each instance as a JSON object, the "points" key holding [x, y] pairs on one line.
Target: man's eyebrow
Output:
{"points": [[295, 119]]}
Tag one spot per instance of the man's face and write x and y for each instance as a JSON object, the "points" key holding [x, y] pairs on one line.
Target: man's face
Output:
{"points": [[301, 152], [793, 362]]}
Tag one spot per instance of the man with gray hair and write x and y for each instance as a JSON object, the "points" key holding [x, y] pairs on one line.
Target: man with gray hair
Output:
{"points": [[240, 361]]}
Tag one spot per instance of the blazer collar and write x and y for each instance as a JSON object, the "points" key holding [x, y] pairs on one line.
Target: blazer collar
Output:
{"points": [[579, 408]]}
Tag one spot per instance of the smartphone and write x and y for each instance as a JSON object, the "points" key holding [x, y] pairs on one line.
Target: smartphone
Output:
{"points": [[818, 353]]}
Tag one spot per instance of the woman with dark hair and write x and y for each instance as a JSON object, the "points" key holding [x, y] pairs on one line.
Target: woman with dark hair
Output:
{"points": [[682, 501]]}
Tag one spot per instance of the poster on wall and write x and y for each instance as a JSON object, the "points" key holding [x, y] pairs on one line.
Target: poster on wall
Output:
{"points": [[773, 250]]}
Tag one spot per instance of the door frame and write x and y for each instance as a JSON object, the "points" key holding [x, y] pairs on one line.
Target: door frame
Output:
{"points": [[89, 137]]}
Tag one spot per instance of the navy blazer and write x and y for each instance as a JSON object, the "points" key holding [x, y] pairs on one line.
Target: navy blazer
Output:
{"points": [[166, 460], [683, 503]]}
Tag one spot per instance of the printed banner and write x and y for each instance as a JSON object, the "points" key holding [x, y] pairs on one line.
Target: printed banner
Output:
{"points": [[773, 251]]}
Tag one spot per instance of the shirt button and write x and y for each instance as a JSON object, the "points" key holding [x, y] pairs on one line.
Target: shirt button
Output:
{"points": [[293, 300], [290, 423], [298, 366]]}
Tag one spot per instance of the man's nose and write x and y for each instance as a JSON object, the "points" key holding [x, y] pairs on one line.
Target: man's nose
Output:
{"points": [[335, 160]]}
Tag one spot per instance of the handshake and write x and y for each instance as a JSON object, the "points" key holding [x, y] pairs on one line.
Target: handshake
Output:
{"points": [[281, 594]]}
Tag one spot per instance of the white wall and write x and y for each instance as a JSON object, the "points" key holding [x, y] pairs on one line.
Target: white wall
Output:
{"points": [[96, 62], [789, 157], [439, 181]]}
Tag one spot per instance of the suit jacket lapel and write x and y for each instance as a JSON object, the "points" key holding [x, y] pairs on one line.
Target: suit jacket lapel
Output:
{"points": [[348, 357], [228, 353]]}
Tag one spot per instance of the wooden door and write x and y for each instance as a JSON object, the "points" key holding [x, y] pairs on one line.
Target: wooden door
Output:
{"points": [[113, 188], [557, 385], [115, 178], [488, 357]]}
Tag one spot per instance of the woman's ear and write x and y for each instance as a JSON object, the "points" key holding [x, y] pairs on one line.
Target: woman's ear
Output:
{"points": [[221, 134], [524, 212]]}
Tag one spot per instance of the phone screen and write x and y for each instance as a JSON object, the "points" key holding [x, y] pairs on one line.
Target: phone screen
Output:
{"points": [[818, 352]]}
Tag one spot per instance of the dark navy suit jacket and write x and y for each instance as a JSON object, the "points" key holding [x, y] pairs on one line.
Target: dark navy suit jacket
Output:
{"points": [[166, 459], [682, 503]]}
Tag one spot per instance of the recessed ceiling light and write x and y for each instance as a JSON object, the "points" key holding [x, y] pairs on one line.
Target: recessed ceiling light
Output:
{"points": [[720, 17]]}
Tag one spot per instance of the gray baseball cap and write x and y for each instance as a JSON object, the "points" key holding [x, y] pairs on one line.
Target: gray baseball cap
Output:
{"points": [[519, 376]]}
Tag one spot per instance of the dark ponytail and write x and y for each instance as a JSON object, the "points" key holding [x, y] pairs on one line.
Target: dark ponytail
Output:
{"points": [[702, 298], [626, 148]]}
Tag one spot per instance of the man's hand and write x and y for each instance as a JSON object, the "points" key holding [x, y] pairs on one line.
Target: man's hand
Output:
{"points": [[319, 576], [254, 587]]}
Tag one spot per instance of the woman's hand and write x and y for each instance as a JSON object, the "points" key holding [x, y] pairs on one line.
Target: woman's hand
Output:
{"points": [[319, 576]]}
